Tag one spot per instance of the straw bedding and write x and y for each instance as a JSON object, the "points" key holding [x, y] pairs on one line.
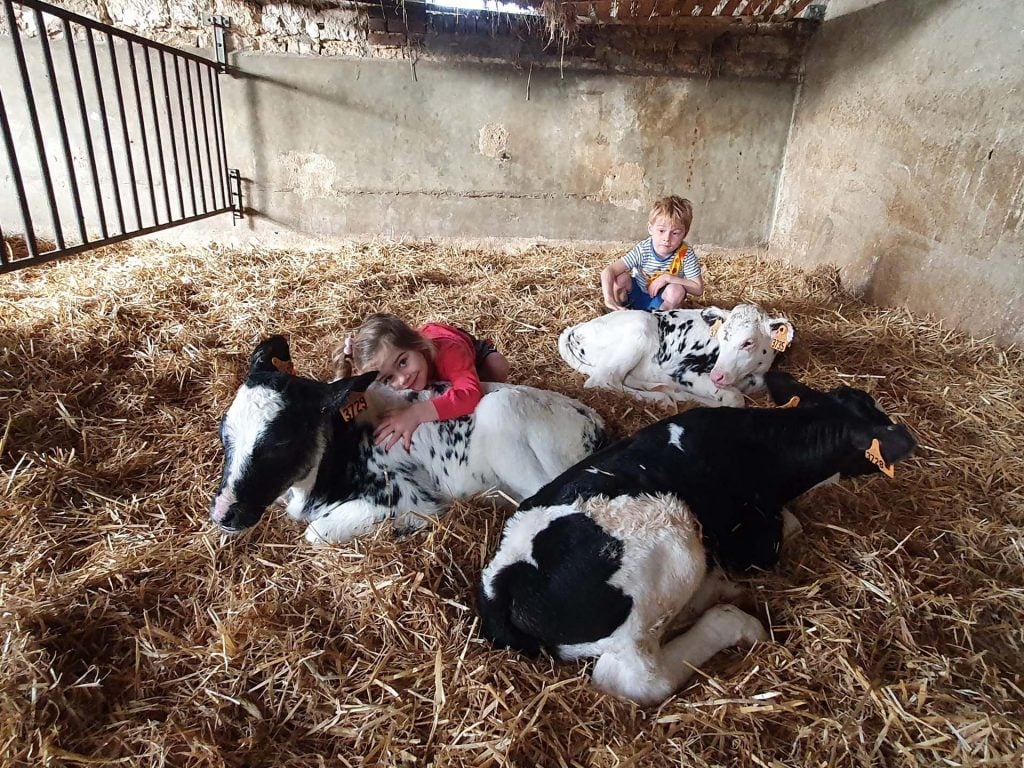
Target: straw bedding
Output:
{"points": [[133, 633]]}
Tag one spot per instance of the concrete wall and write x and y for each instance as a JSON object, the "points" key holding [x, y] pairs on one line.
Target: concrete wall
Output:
{"points": [[365, 147], [906, 160]]}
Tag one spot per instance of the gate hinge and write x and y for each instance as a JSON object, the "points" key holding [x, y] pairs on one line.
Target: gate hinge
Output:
{"points": [[220, 25]]}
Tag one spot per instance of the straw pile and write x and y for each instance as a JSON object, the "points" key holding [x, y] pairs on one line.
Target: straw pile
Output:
{"points": [[134, 634]]}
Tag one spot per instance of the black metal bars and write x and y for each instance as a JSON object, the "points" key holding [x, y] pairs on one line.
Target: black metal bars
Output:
{"points": [[94, 143]]}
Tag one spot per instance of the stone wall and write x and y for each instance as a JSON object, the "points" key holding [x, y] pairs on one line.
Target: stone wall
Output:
{"points": [[708, 48]]}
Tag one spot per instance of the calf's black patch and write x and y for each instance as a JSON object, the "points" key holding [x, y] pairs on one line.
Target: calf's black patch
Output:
{"points": [[565, 598]]}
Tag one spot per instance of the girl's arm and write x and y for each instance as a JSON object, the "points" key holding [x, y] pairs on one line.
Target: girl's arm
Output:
{"points": [[400, 425], [456, 362]]}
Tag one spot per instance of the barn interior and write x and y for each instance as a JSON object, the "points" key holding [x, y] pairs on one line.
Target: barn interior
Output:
{"points": [[855, 165]]}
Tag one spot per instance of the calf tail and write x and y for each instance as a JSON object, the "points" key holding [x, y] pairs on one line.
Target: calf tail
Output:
{"points": [[496, 615]]}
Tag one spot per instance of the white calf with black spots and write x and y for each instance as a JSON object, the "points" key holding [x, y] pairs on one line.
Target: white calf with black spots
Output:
{"points": [[713, 356], [284, 436]]}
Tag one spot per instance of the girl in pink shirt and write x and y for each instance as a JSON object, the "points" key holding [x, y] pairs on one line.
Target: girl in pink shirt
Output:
{"points": [[414, 359]]}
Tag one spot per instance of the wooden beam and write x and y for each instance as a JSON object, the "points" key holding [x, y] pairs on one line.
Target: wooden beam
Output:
{"points": [[796, 8], [647, 9], [686, 9]]}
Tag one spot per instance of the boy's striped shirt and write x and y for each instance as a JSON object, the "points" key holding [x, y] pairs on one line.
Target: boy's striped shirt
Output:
{"points": [[645, 264]]}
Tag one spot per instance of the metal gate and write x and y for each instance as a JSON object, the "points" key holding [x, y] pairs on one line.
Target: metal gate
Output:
{"points": [[134, 144]]}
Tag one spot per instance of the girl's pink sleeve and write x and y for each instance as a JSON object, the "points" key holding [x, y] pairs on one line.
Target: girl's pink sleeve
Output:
{"points": [[456, 362]]}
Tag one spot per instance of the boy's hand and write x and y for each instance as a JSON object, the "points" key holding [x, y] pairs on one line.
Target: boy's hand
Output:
{"points": [[657, 284], [611, 303], [397, 425]]}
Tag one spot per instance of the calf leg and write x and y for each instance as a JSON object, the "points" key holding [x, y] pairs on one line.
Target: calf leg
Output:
{"points": [[716, 588], [340, 523], [651, 676], [706, 393]]}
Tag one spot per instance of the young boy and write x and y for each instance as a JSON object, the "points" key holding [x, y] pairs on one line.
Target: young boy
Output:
{"points": [[661, 271]]}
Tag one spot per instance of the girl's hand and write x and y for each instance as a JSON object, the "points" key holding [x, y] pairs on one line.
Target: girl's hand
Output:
{"points": [[401, 424]]}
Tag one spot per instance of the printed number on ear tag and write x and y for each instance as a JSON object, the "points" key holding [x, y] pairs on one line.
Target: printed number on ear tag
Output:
{"points": [[794, 401], [284, 366], [780, 339], [714, 327], [354, 408], [874, 455]]}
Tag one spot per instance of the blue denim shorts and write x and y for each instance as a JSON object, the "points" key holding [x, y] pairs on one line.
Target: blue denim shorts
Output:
{"points": [[638, 298]]}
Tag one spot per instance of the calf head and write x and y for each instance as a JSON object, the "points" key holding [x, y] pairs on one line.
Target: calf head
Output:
{"points": [[274, 433], [745, 342], [862, 420]]}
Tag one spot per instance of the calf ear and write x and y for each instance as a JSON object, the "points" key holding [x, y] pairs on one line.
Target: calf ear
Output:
{"points": [[274, 348], [712, 315], [782, 327], [782, 387], [338, 391]]}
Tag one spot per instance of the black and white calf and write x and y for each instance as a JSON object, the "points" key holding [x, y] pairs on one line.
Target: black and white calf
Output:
{"points": [[284, 433], [604, 559], [713, 356]]}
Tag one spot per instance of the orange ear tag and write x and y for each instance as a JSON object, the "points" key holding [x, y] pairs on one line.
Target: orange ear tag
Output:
{"points": [[354, 408], [714, 327], [794, 401], [780, 339], [874, 455], [284, 366]]}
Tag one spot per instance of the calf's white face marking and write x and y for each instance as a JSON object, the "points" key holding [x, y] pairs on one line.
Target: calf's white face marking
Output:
{"points": [[251, 412], [675, 433], [745, 343]]}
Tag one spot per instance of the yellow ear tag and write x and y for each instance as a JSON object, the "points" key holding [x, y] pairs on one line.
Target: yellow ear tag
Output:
{"points": [[780, 339], [874, 455], [794, 401], [352, 409], [714, 327], [284, 366]]}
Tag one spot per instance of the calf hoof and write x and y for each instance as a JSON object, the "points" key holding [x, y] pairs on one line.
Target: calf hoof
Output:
{"points": [[408, 523], [730, 398], [791, 527], [324, 530], [738, 626]]}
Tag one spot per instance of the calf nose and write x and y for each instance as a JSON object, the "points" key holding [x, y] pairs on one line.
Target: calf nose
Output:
{"points": [[720, 379], [222, 511]]}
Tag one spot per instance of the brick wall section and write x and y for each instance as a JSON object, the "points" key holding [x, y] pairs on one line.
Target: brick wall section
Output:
{"points": [[711, 48]]}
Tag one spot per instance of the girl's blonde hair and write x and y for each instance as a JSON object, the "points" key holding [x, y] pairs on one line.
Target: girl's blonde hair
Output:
{"points": [[378, 331]]}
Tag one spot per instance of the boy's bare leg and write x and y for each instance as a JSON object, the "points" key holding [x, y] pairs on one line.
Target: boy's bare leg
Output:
{"points": [[494, 368], [673, 296]]}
